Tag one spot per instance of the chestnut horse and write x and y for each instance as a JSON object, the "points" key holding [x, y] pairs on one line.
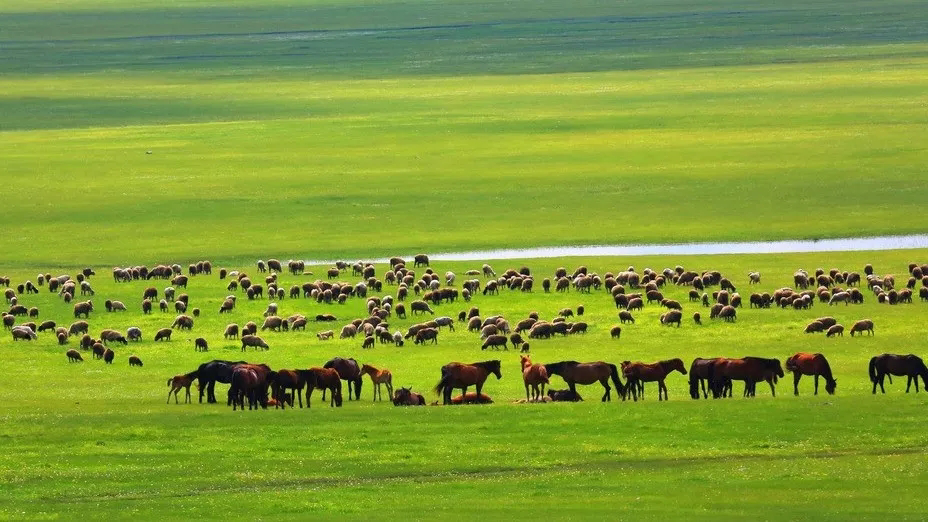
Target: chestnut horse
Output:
{"points": [[179, 382], [406, 397], [637, 372], [325, 378], [575, 373], [348, 370], [699, 376], [811, 364], [379, 377], [910, 366], [534, 375], [751, 370], [460, 375]]}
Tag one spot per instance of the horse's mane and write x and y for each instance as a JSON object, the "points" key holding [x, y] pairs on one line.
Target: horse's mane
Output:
{"points": [[767, 363], [558, 366], [487, 364]]}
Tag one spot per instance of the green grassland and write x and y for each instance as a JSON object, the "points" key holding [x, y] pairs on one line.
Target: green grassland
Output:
{"points": [[96, 439], [365, 128], [309, 130]]}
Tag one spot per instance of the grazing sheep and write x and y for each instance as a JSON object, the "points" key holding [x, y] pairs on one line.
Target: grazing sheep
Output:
{"points": [[62, 338], [348, 331], [835, 330], [728, 313], [495, 341], [616, 332], [626, 317], [839, 298], [98, 350], [78, 327], [420, 307], [163, 334], [579, 327], [524, 349], [74, 356], [635, 304], [445, 321], [697, 318], [253, 340], [298, 324], [754, 277], [671, 317], [183, 322], [827, 322], [108, 356], [135, 361], [83, 308], [326, 335], [421, 260], [47, 325], [133, 333], [398, 338], [200, 345], [146, 306], [163, 305], [108, 336], [368, 342], [864, 325], [275, 323], [426, 334]]}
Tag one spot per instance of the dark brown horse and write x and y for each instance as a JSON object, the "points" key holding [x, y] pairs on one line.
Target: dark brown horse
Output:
{"points": [[284, 380], [406, 397], [325, 378], [249, 381], [910, 366], [575, 373], [811, 364], [637, 372], [699, 376], [751, 370], [460, 375], [349, 370]]}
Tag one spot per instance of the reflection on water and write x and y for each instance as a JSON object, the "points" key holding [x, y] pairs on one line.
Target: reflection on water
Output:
{"points": [[848, 244]]}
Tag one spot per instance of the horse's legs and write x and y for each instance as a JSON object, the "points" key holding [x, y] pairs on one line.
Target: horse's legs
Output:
{"points": [[816, 384], [607, 396], [908, 383], [309, 393], [796, 377], [169, 395], [662, 386], [702, 382], [526, 391], [188, 399]]}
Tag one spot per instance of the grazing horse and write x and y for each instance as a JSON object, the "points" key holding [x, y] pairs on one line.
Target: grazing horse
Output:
{"points": [[639, 373], [325, 378], [179, 382], [699, 376], [910, 366], [251, 381], [811, 364], [210, 372], [349, 370], [459, 375], [406, 397], [534, 375], [284, 380], [379, 377], [751, 370], [575, 373]]}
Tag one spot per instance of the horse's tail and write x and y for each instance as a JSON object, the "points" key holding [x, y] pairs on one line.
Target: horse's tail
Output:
{"points": [[615, 380], [170, 381], [442, 383], [873, 370]]}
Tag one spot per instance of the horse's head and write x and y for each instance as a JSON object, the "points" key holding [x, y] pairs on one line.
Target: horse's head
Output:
{"points": [[678, 365], [494, 368], [830, 386], [525, 360]]}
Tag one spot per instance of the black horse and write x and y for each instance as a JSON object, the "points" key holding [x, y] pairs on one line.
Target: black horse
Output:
{"points": [[210, 372], [349, 370], [910, 366]]}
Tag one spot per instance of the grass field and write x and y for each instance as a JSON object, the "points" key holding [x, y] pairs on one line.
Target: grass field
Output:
{"points": [[366, 128]]}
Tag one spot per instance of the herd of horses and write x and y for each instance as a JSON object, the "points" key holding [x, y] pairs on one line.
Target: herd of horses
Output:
{"points": [[261, 386]]}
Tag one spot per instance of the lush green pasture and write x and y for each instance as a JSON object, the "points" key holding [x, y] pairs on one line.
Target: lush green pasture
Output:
{"points": [[95, 439], [340, 129]]}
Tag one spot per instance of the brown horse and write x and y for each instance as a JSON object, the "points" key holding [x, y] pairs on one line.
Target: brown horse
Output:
{"points": [[325, 378], [251, 381], [460, 375], [348, 370], [910, 366], [179, 382], [406, 397], [699, 376], [533, 375], [379, 377], [284, 380], [637, 372], [751, 370], [575, 373], [811, 364]]}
